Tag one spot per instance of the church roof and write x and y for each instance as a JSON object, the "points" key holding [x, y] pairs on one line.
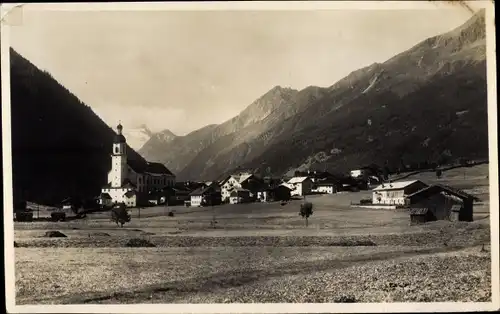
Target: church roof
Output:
{"points": [[139, 166], [157, 168], [128, 184]]}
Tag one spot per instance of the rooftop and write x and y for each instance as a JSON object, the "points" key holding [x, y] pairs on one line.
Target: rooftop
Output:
{"points": [[444, 188], [395, 185], [297, 179]]}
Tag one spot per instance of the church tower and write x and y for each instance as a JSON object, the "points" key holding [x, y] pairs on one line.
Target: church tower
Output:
{"points": [[119, 159]]}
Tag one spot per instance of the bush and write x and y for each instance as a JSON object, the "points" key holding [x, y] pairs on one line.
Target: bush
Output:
{"points": [[136, 242], [170, 214], [365, 201]]}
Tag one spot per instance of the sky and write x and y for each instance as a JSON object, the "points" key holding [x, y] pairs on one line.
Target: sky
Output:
{"points": [[186, 69]]}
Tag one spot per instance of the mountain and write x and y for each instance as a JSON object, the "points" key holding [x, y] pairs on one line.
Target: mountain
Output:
{"points": [[136, 137], [179, 152], [60, 147], [426, 104]]}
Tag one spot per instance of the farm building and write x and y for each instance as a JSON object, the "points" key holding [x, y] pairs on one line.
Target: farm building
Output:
{"points": [[300, 186], [239, 195], [443, 202], [420, 215], [394, 193]]}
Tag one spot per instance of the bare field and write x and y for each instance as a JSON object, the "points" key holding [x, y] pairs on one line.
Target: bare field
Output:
{"points": [[256, 253]]}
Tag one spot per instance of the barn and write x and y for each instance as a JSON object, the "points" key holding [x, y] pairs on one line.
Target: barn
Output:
{"points": [[420, 215], [444, 202]]}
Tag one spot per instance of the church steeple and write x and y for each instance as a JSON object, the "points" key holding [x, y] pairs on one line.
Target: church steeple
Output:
{"points": [[119, 158], [119, 138]]}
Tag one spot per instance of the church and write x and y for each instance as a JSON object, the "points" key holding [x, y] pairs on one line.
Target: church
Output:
{"points": [[130, 181]]}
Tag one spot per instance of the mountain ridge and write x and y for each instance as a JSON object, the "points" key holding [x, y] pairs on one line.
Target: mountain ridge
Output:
{"points": [[458, 52], [60, 146]]}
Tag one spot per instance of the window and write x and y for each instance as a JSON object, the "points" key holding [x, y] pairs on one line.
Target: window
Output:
{"points": [[117, 150]]}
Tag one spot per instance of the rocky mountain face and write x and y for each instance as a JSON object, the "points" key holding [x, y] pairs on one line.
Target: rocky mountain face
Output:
{"points": [[426, 104], [136, 137], [60, 147]]}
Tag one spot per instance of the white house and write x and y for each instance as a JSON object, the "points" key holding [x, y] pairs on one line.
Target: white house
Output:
{"points": [[131, 198], [127, 175], [395, 193], [326, 187], [232, 182], [358, 173], [196, 200], [300, 185]]}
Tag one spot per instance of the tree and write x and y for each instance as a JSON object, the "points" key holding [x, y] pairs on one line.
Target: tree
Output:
{"points": [[306, 210], [386, 173], [439, 173], [120, 215]]}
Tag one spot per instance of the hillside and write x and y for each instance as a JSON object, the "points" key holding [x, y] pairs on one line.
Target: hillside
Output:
{"points": [[426, 104], [58, 143]]}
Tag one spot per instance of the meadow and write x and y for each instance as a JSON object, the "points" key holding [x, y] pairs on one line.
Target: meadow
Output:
{"points": [[261, 252]]}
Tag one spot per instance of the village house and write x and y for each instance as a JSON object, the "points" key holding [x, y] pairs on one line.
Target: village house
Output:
{"points": [[280, 193], [359, 173], [234, 181], [272, 189], [299, 186], [130, 198], [440, 202], [239, 195], [180, 196], [394, 193], [326, 187], [127, 175], [68, 205], [205, 196], [369, 175], [314, 175]]}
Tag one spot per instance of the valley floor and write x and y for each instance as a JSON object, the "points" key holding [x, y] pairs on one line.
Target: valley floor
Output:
{"points": [[256, 253]]}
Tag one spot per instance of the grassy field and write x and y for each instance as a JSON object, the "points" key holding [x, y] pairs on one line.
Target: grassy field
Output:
{"points": [[260, 253]]}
